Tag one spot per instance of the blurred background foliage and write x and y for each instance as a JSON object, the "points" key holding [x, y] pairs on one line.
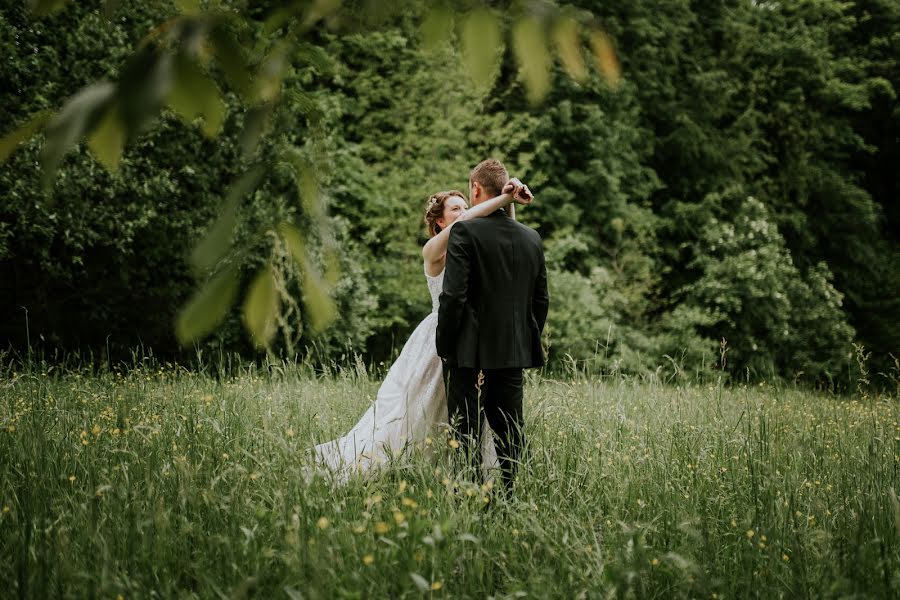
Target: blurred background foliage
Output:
{"points": [[738, 181]]}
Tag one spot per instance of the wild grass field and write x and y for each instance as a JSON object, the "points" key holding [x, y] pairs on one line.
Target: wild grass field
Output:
{"points": [[163, 483]]}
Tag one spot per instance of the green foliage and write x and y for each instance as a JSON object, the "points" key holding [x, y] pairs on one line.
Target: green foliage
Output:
{"points": [[639, 169], [779, 99], [103, 260], [775, 319]]}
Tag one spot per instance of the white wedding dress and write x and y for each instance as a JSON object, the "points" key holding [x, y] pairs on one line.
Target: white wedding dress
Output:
{"points": [[411, 402]]}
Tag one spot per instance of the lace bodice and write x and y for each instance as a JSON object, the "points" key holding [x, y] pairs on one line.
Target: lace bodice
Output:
{"points": [[435, 284]]}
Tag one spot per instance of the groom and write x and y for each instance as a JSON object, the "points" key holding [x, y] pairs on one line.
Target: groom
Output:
{"points": [[492, 310]]}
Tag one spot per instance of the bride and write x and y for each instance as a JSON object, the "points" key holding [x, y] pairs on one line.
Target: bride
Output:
{"points": [[412, 401]]}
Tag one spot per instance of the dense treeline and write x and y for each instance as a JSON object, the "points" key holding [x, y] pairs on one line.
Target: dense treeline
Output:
{"points": [[739, 184]]}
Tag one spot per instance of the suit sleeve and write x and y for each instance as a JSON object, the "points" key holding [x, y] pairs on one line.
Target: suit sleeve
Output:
{"points": [[455, 291], [540, 302]]}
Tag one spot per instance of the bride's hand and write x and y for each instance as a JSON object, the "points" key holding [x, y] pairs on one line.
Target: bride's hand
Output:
{"points": [[523, 196], [519, 191]]}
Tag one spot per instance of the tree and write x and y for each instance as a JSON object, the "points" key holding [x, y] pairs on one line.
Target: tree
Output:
{"points": [[775, 318], [255, 50]]}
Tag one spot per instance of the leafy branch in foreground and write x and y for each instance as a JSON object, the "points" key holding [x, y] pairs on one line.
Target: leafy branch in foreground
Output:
{"points": [[184, 64]]}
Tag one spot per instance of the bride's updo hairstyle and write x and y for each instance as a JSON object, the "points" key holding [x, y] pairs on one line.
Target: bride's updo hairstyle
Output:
{"points": [[434, 210]]}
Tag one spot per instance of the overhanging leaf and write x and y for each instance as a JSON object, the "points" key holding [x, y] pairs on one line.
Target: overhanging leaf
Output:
{"points": [[108, 138], [12, 140], [436, 28], [45, 7], [320, 9], [277, 19], [207, 308], [267, 85], [217, 239], [144, 84], [261, 308], [213, 246], [316, 299], [332, 264], [231, 59], [481, 43], [568, 47], [194, 94], [315, 291], [307, 183], [256, 121], [530, 46], [188, 7], [70, 124], [606, 58]]}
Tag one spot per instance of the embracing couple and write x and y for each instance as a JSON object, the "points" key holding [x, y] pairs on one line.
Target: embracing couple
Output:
{"points": [[463, 364]]}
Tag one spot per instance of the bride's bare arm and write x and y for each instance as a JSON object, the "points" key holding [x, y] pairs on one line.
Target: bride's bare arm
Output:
{"points": [[434, 251]]}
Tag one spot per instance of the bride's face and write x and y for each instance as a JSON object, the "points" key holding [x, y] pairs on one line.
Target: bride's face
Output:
{"points": [[453, 207]]}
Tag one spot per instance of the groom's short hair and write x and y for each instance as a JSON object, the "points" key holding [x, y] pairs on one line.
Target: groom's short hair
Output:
{"points": [[491, 175]]}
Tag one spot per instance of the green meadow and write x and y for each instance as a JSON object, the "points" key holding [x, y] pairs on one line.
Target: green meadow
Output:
{"points": [[161, 482]]}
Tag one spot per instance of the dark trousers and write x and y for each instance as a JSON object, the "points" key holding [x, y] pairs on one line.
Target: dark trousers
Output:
{"points": [[500, 400]]}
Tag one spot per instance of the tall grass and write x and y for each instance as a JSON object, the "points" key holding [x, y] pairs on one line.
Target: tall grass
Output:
{"points": [[161, 482]]}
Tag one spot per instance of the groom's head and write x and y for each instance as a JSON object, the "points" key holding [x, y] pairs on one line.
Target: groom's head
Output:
{"points": [[486, 180]]}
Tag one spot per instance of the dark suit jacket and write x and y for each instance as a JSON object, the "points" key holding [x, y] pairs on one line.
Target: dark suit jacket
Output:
{"points": [[494, 302]]}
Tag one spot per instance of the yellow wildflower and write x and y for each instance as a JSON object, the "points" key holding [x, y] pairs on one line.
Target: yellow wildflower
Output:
{"points": [[368, 559], [323, 523], [381, 527], [437, 585]]}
